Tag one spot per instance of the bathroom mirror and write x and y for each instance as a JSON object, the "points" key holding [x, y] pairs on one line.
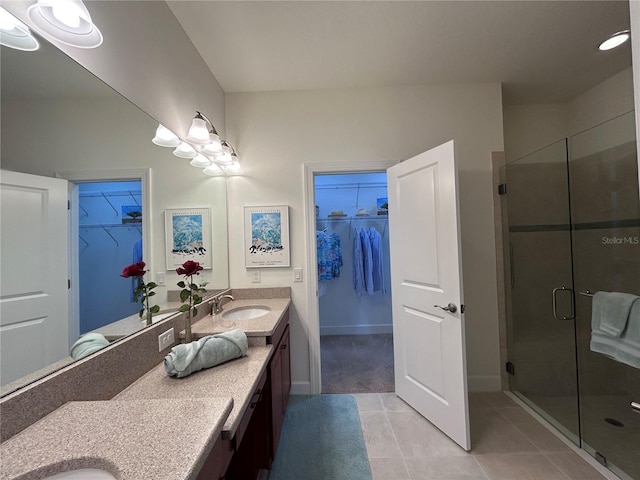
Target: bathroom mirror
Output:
{"points": [[58, 119]]}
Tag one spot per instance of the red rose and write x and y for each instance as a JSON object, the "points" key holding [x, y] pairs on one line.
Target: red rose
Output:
{"points": [[134, 270], [189, 268]]}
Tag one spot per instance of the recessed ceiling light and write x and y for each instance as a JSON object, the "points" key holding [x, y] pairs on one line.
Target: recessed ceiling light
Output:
{"points": [[615, 40]]}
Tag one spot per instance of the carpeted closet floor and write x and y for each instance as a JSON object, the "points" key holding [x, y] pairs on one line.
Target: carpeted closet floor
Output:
{"points": [[357, 363]]}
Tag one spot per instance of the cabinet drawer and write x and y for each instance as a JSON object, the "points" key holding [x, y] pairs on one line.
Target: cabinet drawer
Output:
{"points": [[258, 394]]}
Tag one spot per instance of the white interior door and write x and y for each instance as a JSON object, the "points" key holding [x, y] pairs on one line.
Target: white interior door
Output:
{"points": [[33, 296], [429, 342]]}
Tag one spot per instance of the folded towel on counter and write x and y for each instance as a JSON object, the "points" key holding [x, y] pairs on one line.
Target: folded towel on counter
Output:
{"points": [[611, 311], [185, 359], [624, 348], [87, 344]]}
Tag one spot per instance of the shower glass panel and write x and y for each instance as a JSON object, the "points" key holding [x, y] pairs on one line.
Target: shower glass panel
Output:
{"points": [[605, 212], [540, 310]]}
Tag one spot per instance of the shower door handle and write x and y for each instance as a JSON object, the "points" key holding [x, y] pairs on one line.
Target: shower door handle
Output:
{"points": [[555, 303]]}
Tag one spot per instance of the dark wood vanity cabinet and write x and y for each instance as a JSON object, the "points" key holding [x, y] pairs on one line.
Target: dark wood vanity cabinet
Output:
{"points": [[280, 371], [254, 445]]}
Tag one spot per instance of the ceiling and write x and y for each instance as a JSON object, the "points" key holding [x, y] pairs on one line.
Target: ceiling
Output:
{"points": [[541, 51]]}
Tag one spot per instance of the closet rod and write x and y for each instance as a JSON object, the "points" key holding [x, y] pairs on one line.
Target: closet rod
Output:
{"points": [[350, 186], [112, 225]]}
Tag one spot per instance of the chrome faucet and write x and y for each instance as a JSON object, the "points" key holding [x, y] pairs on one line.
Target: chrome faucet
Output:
{"points": [[216, 303]]}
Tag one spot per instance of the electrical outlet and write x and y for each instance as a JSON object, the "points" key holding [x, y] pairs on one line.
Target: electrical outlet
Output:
{"points": [[297, 274], [160, 278], [165, 339], [255, 275]]}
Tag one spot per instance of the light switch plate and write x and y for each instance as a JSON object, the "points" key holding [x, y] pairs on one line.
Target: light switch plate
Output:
{"points": [[297, 274], [160, 278], [166, 339]]}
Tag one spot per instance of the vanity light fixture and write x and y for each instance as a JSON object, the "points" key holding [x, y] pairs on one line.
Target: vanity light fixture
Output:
{"points": [[200, 161], [15, 34], [233, 169], [615, 40], [184, 150], [67, 21], [213, 170], [166, 138], [202, 145]]}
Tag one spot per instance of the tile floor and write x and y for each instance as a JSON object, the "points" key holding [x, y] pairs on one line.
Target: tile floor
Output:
{"points": [[507, 444]]}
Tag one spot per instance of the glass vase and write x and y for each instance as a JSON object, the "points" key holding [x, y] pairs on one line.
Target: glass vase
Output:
{"points": [[187, 326]]}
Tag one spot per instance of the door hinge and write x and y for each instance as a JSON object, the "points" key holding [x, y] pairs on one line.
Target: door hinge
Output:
{"points": [[502, 189], [510, 368], [462, 308]]}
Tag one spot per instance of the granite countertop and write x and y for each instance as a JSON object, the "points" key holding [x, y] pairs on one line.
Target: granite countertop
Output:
{"points": [[133, 323], [236, 379], [263, 326], [160, 439]]}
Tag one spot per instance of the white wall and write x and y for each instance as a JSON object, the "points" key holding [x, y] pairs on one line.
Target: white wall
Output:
{"points": [[530, 127], [147, 57], [277, 132]]}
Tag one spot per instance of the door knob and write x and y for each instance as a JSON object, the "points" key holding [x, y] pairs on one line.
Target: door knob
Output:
{"points": [[451, 308]]}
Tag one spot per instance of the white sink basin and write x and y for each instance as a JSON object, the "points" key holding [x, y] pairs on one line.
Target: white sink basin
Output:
{"points": [[245, 313], [83, 474]]}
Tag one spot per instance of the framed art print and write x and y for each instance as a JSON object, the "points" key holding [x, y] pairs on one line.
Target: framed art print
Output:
{"points": [[188, 236], [266, 236]]}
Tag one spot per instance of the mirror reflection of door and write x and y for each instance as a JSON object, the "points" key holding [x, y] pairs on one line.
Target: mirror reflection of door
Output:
{"points": [[109, 239]]}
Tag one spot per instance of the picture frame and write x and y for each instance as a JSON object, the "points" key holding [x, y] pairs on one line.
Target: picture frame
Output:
{"points": [[188, 237], [266, 236]]}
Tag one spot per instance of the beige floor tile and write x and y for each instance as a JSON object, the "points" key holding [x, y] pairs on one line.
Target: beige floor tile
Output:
{"points": [[539, 435], [444, 468], [498, 399], [491, 433], [393, 403], [533, 466], [378, 435], [417, 437], [477, 401], [574, 466], [369, 402], [388, 469]]}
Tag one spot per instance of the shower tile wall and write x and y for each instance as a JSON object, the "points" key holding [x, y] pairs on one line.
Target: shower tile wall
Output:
{"points": [[603, 194]]}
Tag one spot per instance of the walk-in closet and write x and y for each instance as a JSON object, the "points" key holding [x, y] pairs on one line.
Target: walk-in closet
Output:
{"points": [[354, 285], [109, 239]]}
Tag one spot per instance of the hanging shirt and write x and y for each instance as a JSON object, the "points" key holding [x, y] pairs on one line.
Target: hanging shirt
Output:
{"points": [[367, 261], [329, 255], [358, 265], [378, 261]]}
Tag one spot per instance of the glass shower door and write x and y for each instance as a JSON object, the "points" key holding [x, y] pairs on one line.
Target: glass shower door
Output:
{"points": [[606, 247], [539, 286]]}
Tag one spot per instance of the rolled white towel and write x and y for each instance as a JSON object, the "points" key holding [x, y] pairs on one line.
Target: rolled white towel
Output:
{"points": [[184, 359]]}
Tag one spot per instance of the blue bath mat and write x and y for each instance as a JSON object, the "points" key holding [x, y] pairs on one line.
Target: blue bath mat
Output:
{"points": [[321, 440]]}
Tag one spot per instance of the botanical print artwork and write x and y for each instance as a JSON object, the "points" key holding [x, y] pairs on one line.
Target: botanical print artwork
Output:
{"points": [[267, 236], [266, 232], [187, 235]]}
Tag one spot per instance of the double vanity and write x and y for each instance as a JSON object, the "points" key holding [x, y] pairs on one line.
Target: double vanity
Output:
{"points": [[221, 422]]}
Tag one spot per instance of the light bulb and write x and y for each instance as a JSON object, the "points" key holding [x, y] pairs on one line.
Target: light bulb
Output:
{"points": [[7, 21], [67, 13]]}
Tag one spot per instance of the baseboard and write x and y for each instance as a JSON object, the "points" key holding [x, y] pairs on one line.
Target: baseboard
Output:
{"points": [[356, 329], [484, 383], [301, 388]]}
